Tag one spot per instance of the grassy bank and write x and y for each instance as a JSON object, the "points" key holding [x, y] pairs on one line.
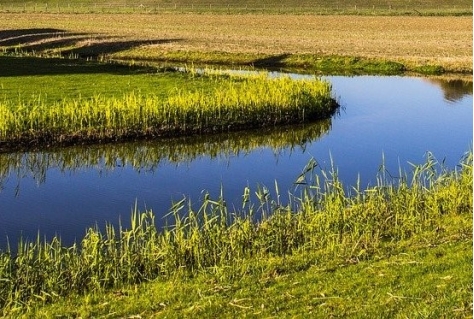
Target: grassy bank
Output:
{"points": [[230, 102], [327, 43], [423, 277], [374, 251]]}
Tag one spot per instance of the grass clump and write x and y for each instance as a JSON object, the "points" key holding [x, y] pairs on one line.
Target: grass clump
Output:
{"points": [[323, 225], [238, 102], [429, 69]]}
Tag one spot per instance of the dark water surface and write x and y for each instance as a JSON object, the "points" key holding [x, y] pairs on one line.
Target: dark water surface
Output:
{"points": [[399, 118]]}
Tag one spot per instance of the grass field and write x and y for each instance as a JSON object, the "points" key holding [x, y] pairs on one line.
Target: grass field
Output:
{"points": [[270, 40], [71, 108], [431, 278]]}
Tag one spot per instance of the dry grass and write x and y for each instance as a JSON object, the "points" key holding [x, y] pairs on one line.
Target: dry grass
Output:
{"points": [[445, 41]]}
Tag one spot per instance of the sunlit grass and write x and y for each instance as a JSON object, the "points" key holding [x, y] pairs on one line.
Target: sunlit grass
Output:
{"points": [[232, 102], [323, 221]]}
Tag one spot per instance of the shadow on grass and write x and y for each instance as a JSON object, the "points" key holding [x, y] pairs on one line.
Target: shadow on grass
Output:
{"points": [[24, 36], [274, 61], [84, 45], [24, 51], [107, 46], [29, 66]]}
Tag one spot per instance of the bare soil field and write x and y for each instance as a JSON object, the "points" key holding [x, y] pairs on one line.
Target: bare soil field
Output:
{"points": [[445, 41]]}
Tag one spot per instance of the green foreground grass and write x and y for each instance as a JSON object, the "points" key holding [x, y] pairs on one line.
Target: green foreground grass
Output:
{"points": [[398, 249], [423, 277]]}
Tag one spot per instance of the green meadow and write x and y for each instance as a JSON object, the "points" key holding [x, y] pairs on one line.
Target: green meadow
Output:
{"points": [[151, 104]]}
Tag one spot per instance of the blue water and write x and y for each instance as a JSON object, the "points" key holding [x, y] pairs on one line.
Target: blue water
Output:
{"points": [[398, 118]]}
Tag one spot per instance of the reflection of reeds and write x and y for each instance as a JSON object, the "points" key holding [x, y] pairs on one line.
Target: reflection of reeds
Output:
{"points": [[148, 155], [454, 89], [237, 103], [213, 239]]}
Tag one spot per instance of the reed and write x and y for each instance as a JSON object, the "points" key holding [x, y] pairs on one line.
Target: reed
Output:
{"points": [[239, 102], [324, 218]]}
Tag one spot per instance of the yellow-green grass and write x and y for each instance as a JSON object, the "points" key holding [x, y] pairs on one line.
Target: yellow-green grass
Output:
{"points": [[424, 277], [376, 251], [279, 40], [232, 103]]}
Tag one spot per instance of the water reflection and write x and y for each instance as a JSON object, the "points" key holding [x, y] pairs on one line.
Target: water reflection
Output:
{"points": [[148, 155], [399, 118], [453, 89]]}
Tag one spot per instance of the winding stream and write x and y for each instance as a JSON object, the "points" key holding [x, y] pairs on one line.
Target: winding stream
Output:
{"points": [[64, 191]]}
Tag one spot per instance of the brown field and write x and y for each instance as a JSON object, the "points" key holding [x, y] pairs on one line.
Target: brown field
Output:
{"points": [[445, 41]]}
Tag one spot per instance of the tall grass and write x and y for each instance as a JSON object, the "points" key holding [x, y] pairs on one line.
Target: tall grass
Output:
{"points": [[238, 102], [212, 238]]}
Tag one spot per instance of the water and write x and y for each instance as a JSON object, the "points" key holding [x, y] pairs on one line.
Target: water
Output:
{"points": [[65, 191]]}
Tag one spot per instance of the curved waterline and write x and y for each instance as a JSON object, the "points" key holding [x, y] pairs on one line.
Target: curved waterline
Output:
{"points": [[148, 155]]}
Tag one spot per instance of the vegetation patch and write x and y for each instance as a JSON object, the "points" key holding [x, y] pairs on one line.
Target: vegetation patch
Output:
{"points": [[430, 69], [237, 102], [310, 62], [317, 252], [271, 7]]}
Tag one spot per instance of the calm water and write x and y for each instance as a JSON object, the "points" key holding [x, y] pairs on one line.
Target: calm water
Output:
{"points": [[401, 118]]}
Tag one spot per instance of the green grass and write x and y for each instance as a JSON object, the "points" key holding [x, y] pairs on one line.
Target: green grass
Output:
{"points": [[166, 105], [396, 249], [310, 63], [56, 79], [416, 282]]}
